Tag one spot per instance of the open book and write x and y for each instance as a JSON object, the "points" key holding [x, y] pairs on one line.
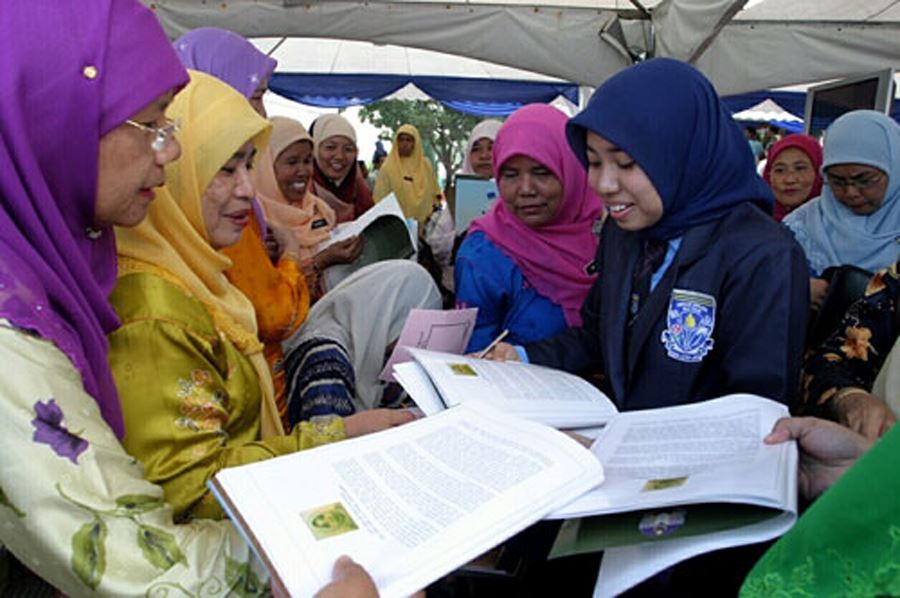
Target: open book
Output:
{"points": [[385, 235], [409, 504], [436, 381], [682, 481]]}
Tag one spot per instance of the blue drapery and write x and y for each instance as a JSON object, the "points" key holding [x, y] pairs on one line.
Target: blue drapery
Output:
{"points": [[481, 97], [478, 96]]}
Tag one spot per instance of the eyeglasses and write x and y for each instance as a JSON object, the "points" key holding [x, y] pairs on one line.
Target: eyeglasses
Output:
{"points": [[861, 182], [160, 134]]}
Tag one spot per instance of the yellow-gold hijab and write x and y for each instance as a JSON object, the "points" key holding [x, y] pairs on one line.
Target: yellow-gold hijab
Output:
{"points": [[411, 178], [172, 242]]}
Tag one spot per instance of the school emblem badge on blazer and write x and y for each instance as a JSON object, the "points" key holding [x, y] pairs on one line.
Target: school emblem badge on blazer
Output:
{"points": [[689, 325]]}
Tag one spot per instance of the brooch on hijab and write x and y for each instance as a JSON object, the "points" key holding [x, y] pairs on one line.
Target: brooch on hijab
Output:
{"points": [[93, 233], [89, 72]]}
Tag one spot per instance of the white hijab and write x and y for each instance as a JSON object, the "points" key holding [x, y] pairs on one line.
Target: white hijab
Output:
{"points": [[365, 313], [486, 129]]}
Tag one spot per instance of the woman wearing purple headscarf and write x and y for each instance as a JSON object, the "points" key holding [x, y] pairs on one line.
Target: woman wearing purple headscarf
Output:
{"points": [[83, 89], [525, 264], [229, 57]]}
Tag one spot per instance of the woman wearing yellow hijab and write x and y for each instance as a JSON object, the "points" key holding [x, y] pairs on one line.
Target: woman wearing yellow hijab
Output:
{"points": [[409, 175], [195, 389]]}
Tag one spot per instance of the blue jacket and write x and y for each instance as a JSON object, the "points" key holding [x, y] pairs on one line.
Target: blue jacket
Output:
{"points": [[728, 316], [488, 279]]}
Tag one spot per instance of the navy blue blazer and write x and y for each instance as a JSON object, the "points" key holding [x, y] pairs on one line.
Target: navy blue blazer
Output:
{"points": [[728, 316]]}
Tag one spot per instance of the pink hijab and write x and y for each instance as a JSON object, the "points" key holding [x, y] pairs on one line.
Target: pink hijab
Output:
{"points": [[553, 258], [809, 146]]}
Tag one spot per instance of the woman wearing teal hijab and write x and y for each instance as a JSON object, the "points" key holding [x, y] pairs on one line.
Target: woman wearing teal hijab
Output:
{"points": [[856, 220]]}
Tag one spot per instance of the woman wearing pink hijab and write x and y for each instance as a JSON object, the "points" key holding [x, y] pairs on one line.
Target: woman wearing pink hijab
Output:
{"points": [[526, 264], [792, 171]]}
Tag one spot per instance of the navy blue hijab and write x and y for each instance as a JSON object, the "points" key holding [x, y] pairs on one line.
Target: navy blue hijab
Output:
{"points": [[666, 115]]}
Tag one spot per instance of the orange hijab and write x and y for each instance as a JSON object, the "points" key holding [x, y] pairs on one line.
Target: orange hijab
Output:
{"points": [[297, 217]]}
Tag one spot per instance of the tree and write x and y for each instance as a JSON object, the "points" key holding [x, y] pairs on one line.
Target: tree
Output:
{"points": [[444, 131]]}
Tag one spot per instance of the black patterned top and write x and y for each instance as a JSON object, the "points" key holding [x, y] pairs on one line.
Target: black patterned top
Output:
{"points": [[854, 353]]}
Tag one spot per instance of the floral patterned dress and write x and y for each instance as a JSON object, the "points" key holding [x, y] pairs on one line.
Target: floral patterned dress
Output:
{"points": [[74, 506], [854, 354]]}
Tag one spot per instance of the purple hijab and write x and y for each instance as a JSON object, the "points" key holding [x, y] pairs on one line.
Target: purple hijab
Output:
{"points": [[226, 56], [69, 73]]}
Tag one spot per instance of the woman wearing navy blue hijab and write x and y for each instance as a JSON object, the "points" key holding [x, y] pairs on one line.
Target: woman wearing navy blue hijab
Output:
{"points": [[700, 293]]}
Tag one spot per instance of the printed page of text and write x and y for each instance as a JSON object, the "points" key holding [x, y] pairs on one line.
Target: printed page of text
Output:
{"points": [[703, 452], [412, 503]]}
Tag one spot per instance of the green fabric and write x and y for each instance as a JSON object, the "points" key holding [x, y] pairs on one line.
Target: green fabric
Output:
{"points": [[847, 543], [190, 398]]}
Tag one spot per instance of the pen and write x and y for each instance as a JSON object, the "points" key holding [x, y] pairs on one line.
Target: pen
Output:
{"points": [[493, 344]]}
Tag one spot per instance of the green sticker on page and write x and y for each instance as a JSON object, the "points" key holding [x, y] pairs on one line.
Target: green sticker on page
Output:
{"points": [[328, 521], [664, 484]]}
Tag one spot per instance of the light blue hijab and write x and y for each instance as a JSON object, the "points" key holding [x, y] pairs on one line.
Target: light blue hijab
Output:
{"points": [[832, 234]]}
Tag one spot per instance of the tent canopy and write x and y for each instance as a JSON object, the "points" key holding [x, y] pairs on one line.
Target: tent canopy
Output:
{"points": [[767, 110], [740, 45], [338, 73]]}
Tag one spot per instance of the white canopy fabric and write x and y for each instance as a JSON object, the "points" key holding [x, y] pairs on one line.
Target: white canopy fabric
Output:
{"points": [[741, 45], [767, 110], [335, 56]]}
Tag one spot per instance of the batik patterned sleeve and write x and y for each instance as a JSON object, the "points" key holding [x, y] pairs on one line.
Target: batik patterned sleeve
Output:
{"points": [[853, 355], [74, 507], [192, 407]]}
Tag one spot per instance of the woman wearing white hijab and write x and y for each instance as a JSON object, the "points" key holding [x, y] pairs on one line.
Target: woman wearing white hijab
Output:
{"points": [[333, 361], [479, 150]]}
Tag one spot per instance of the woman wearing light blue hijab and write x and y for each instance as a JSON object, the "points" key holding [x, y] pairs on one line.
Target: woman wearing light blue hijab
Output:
{"points": [[856, 219]]}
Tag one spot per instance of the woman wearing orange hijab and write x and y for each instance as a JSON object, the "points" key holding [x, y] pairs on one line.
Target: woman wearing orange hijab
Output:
{"points": [[284, 174], [284, 188]]}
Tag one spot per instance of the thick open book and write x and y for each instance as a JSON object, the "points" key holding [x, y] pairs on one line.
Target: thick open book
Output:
{"points": [[436, 381], [409, 504], [682, 481], [385, 235]]}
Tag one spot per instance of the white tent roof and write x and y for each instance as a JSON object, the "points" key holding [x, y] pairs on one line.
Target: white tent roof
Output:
{"points": [[740, 45], [334, 56], [767, 110]]}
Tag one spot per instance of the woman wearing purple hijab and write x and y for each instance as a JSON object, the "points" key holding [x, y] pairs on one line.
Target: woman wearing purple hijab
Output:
{"points": [[83, 90], [229, 57]]}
